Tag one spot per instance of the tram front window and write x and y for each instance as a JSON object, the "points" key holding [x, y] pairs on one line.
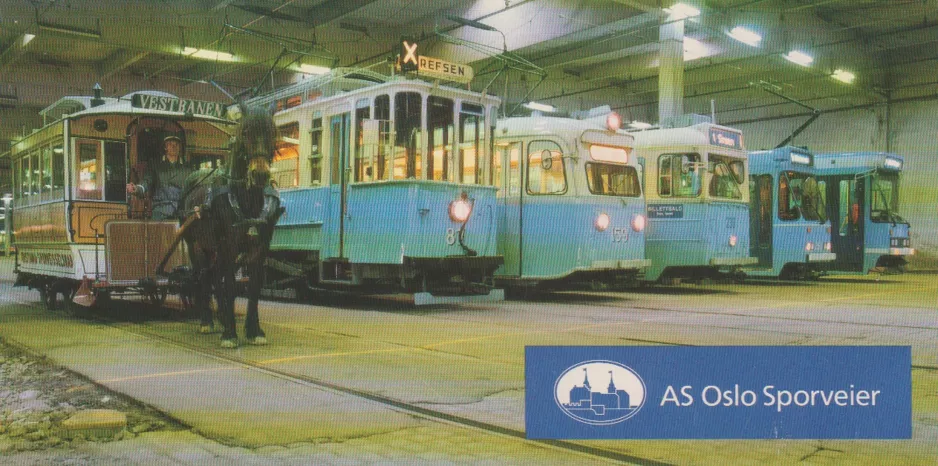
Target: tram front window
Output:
{"points": [[799, 195], [440, 131], [724, 181], [613, 180], [885, 197], [408, 109]]}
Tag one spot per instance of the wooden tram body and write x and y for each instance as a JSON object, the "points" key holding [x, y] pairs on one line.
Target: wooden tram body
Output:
{"points": [[73, 220]]}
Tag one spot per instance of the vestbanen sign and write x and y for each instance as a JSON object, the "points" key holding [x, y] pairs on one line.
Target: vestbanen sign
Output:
{"points": [[720, 392], [174, 104]]}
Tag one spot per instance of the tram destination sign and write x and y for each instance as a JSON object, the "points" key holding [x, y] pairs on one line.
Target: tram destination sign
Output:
{"points": [[175, 104], [725, 138]]}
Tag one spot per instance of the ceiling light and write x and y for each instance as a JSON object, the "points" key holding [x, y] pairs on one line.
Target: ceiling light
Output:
{"points": [[27, 38], [745, 36], [693, 49], [313, 69], [207, 54], [844, 76], [800, 58], [640, 125], [540, 107], [681, 11]]}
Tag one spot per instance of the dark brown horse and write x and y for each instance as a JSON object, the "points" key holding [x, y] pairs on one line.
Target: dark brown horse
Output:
{"points": [[237, 209]]}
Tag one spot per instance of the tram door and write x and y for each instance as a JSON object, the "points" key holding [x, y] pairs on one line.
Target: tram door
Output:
{"points": [[509, 222], [845, 196], [761, 216], [339, 137]]}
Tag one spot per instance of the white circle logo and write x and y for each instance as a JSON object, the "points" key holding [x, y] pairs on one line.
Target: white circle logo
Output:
{"points": [[599, 392]]}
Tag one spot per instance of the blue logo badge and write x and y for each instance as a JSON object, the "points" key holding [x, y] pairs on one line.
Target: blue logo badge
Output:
{"points": [[603, 403]]}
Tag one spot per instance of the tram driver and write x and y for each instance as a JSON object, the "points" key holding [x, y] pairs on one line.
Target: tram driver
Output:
{"points": [[165, 182]]}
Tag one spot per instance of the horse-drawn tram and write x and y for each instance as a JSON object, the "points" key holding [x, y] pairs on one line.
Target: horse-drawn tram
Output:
{"points": [[74, 222], [388, 187]]}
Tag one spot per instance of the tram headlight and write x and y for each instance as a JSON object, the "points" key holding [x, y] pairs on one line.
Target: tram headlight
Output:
{"points": [[459, 210], [733, 240], [827, 246], [638, 223], [602, 222], [809, 246]]}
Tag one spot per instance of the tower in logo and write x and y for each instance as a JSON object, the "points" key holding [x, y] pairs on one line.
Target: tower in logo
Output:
{"points": [[604, 405]]}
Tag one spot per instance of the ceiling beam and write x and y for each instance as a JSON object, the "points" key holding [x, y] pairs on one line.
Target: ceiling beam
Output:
{"points": [[118, 61]]}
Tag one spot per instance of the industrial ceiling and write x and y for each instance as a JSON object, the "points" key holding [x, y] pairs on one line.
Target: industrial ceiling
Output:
{"points": [[589, 52]]}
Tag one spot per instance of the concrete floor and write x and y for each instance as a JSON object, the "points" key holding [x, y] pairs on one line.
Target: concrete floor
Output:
{"points": [[468, 361]]}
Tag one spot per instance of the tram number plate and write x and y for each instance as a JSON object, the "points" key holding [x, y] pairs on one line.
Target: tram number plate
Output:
{"points": [[451, 235], [620, 235]]}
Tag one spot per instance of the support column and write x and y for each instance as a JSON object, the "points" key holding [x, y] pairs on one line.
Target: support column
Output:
{"points": [[670, 68]]}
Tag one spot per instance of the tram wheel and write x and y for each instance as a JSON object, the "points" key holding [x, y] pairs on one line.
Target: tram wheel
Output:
{"points": [[157, 297], [51, 298]]}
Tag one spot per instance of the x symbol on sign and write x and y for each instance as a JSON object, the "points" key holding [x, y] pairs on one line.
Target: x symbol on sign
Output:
{"points": [[411, 54]]}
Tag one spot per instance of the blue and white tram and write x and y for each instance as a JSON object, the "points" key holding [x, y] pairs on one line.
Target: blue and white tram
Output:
{"points": [[388, 187], [697, 193], [863, 202], [790, 233], [570, 204]]}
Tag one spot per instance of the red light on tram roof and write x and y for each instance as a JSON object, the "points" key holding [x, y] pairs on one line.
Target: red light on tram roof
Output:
{"points": [[613, 121], [809, 229]]}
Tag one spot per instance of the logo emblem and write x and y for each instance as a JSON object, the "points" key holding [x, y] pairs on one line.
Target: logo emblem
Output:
{"points": [[599, 392]]}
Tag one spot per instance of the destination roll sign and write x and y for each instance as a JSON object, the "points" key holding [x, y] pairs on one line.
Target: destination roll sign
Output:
{"points": [[175, 104], [411, 60]]}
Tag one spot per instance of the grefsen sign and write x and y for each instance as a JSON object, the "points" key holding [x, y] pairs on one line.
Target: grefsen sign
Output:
{"points": [[174, 104], [429, 66]]}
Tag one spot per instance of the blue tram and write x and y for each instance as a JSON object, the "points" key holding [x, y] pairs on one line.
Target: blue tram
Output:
{"points": [[863, 201], [388, 187], [790, 233], [697, 193], [570, 204]]}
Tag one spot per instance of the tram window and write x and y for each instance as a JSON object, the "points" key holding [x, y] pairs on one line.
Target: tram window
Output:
{"points": [[408, 109], [35, 172], [440, 131], [545, 168], [22, 188], [46, 173], [285, 169], [787, 206], [115, 171], [679, 175], [612, 180], [315, 157], [885, 197], [364, 170], [508, 153], [58, 170], [723, 181], [764, 197], [846, 206], [89, 166], [383, 115], [471, 134]]}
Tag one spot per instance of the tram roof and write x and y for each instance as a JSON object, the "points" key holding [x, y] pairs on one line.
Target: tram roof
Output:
{"points": [[764, 161], [545, 125], [71, 107], [694, 135], [850, 162]]}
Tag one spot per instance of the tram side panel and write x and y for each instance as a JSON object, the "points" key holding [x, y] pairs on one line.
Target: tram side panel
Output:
{"points": [[687, 235]]}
